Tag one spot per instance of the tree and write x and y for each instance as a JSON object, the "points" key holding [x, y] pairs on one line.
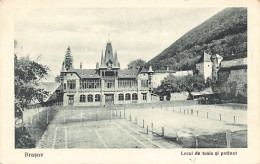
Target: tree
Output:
{"points": [[27, 74], [57, 78], [135, 64], [187, 83], [68, 59]]}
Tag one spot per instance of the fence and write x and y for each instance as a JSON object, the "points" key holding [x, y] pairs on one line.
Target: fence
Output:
{"points": [[218, 140], [29, 130]]}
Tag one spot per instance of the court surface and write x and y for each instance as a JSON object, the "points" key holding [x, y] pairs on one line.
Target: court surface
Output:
{"points": [[94, 128]]}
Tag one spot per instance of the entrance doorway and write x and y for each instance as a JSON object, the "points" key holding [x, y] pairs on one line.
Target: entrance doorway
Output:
{"points": [[109, 99], [71, 99]]}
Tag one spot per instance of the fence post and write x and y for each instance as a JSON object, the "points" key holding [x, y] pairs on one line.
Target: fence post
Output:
{"points": [[219, 117], [191, 111], [234, 119], [124, 113], [120, 114], [228, 138], [152, 127], [162, 131], [184, 111], [80, 116], [38, 113], [143, 123], [31, 119], [177, 137], [197, 112], [64, 119], [180, 110], [207, 114], [47, 116], [130, 117], [116, 111], [147, 129], [196, 142]]}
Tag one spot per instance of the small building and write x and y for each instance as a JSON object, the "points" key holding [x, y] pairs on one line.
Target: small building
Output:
{"points": [[107, 84]]}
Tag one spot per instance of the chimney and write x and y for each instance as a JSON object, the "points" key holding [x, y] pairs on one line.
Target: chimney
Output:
{"points": [[80, 65]]}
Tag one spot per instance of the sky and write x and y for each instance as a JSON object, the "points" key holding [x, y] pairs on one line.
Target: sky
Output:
{"points": [[134, 33]]}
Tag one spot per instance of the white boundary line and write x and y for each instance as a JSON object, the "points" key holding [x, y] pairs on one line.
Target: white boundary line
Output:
{"points": [[131, 135], [101, 138], [142, 135], [54, 138], [65, 131]]}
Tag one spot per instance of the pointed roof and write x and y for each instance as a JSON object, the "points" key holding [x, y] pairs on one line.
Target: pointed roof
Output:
{"points": [[63, 68], [150, 70], [108, 52], [205, 57], [102, 58]]}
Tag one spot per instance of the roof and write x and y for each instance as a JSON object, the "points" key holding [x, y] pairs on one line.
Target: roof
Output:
{"points": [[143, 70], [164, 71], [93, 73], [205, 57], [50, 87], [207, 91], [85, 73], [128, 73]]}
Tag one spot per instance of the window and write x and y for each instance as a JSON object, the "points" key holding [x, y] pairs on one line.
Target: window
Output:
{"points": [[90, 84], [82, 98], [144, 83], [120, 97], [110, 83], [71, 97], [90, 98], [97, 97], [122, 83], [64, 86], [134, 96], [144, 96], [71, 84], [127, 96]]}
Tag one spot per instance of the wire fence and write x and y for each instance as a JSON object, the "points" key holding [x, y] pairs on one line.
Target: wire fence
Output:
{"points": [[224, 139]]}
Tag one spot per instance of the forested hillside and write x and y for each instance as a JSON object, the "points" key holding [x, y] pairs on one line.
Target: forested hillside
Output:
{"points": [[224, 33]]}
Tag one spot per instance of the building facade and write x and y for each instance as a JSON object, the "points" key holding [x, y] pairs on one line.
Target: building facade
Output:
{"points": [[107, 84]]}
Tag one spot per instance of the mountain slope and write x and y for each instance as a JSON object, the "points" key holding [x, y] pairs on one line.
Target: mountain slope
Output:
{"points": [[224, 33]]}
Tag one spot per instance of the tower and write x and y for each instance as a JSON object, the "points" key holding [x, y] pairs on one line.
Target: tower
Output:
{"points": [[62, 74], [150, 75]]}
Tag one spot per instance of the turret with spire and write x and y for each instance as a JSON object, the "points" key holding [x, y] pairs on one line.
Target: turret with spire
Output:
{"points": [[109, 56]]}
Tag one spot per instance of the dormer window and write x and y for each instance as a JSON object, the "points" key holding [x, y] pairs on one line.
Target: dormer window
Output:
{"points": [[82, 74], [90, 74]]}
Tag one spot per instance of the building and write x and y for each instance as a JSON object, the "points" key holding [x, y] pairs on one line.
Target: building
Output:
{"points": [[107, 84], [204, 66], [159, 75]]}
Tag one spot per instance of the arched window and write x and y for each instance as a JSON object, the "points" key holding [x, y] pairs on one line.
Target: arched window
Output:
{"points": [[97, 97], [134, 96], [120, 97], [82, 98], [90, 98], [127, 96]]}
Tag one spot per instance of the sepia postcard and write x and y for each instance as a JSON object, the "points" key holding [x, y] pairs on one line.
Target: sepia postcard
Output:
{"points": [[129, 81]]}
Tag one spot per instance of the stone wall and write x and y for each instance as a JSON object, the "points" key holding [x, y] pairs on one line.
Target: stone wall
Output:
{"points": [[233, 82]]}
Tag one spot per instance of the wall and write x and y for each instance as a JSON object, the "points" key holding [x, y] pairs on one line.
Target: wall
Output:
{"points": [[233, 82], [235, 62]]}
